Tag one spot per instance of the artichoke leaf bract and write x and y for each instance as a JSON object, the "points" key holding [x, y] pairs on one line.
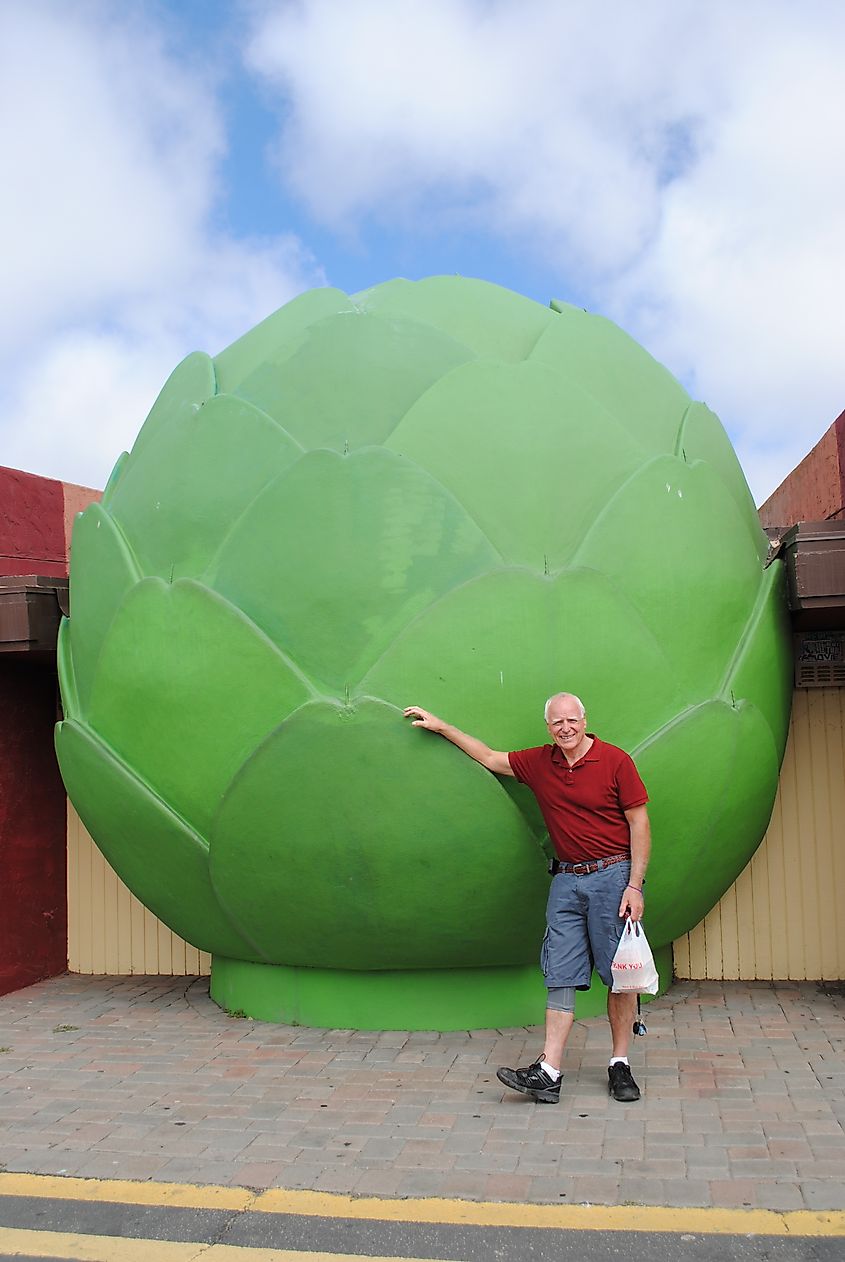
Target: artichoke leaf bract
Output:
{"points": [[180, 496], [377, 541], [348, 810], [482, 460], [157, 854], [321, 386], [666, 502], [620, 655], [186, 389], [185, 738], [105, 571], [690, 768]]}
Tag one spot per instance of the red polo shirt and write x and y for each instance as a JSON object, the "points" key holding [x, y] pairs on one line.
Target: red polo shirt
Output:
{"points": [[583, 805]]}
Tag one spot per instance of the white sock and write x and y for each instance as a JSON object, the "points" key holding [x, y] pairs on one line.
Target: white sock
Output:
{"points": [[550, 1070], [619, 1060]]}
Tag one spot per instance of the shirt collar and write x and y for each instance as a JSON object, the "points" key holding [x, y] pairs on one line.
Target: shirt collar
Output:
{"points": [[592, 754]]}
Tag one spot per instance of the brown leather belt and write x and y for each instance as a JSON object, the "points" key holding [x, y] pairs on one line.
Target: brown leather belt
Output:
{"points": [[588, 866]]}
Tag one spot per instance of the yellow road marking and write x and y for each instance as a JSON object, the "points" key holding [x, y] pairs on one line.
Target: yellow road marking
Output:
{"points": [[57, 1244], [130, 1191], [656, 1218]]}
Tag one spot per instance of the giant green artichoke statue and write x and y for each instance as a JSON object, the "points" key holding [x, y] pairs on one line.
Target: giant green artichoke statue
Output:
{"points": [[438, 493]]}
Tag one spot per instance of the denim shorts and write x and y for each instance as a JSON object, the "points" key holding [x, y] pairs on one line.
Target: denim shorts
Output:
{"points": [[583, 926]]}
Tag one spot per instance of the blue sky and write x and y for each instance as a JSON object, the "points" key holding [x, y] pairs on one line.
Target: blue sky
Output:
{"points": [[256, 200], [177, 169]]}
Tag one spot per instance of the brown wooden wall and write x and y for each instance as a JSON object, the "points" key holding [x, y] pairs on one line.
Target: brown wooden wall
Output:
{"points": [[109, 931], [783, 917]]}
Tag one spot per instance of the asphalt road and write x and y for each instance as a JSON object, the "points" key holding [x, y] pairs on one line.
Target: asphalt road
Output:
{"points": [[85, 1225]]}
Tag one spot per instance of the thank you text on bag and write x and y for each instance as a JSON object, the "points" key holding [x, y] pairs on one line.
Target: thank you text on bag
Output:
{"points": [[633, 964]]}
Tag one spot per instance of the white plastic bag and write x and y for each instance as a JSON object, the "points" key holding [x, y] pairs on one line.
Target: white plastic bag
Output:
{"points": [[633, 964]]}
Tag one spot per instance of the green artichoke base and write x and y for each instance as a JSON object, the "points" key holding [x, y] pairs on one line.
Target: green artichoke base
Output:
{"points": [[412, 999]]}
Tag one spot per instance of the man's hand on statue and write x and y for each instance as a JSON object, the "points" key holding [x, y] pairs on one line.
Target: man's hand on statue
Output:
{"points": [[422, 718], [632, 904]]}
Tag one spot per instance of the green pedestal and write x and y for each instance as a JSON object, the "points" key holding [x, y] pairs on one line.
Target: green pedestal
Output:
{"points": [[417, 999]]}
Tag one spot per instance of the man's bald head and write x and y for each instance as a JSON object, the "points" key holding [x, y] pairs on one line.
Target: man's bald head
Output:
{"points": [[564, 697]]}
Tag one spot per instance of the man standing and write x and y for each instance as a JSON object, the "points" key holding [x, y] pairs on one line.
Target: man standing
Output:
{"points": [[594, 805]]}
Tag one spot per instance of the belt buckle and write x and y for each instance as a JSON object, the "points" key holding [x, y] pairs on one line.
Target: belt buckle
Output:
{"points": [[577, 866]]}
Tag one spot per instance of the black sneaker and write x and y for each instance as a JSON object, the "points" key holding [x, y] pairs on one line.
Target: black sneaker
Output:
{"points": [[621, 1082], [533, 1081]]}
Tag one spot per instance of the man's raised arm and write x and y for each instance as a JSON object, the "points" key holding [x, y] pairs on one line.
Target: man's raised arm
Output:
{"points": [[494, 760]]}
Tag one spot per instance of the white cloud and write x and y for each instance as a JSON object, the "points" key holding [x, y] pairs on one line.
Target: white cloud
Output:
{"points": [[78, 399], [78, 404], [386, 103], [112, 269], [680, 164], [741, 288]]}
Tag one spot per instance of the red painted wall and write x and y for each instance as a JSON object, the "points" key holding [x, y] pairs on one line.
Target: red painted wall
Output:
{"points": [[33, 845], [815, 489], [32, 525], [36, 515]]}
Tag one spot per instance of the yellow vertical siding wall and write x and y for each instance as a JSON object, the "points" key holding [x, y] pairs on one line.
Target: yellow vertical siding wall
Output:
{"points": [[782, 917], [109, 931]]}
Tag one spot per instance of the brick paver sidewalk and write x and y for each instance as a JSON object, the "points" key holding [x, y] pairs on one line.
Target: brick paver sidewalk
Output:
{"points": [[145, 1078]]}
